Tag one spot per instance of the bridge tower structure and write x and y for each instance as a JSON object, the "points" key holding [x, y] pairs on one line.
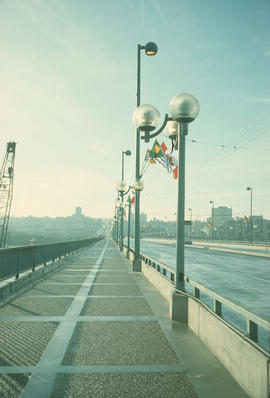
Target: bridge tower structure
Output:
{"points": [[6, 190]]}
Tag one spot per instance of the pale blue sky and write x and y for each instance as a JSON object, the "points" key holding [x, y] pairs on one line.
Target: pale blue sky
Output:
{"points": [[68, 90]]}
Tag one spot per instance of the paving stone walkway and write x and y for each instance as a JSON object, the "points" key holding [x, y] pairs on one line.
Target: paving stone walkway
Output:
{"points": [[95, 329]]}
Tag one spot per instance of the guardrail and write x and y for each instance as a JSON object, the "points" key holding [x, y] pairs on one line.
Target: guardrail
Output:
{"points": [[234, 242], [252, 321], [265, 243], [16, 260]]}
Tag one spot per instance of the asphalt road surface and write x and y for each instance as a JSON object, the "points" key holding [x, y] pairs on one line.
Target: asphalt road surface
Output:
{"points": [[242, 279]]}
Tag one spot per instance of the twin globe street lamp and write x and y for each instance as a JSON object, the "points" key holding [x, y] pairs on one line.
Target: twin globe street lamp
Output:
{"points": [[124, 190], [121, 187], [184, 108], [150, 49]]}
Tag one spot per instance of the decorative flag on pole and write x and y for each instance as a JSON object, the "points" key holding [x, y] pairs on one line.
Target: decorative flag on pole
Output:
{"points": [[172, 160], [159, 154]]}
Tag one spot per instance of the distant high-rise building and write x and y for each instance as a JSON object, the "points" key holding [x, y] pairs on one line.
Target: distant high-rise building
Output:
{"points": [[221, 215]]}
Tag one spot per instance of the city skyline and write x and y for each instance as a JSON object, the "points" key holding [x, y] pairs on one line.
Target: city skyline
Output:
{"points": [[69, 90]]}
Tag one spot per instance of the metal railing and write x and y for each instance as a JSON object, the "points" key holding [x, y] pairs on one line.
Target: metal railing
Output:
{"points": [[252, 321], [16, 260]]}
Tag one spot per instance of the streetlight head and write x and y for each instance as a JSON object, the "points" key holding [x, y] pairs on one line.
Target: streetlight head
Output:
{"points": [[184, 108], [146, 117], [249, 188], [121, 186], [171, 129], [128, 153], [151, 48], [138, 185]]}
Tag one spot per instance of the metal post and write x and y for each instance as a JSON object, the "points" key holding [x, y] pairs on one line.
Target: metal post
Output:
{"points": [[251, 221], [136, 262], [123, 153], [180, 225], [117, 227], [212, 220], [190, 231], [122, 221], [128, 242], [34, 260], [122, 211]]}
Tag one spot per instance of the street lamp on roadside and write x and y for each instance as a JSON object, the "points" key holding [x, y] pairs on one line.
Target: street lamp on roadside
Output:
{"points": [[121, 187], [190, 231], [251, 221], [212, 220], [128, 204], [184, 108], [124, 190], [127, 153], [150, 49]]}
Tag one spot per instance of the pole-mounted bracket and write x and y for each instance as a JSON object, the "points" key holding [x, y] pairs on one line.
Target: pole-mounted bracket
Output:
{"points": [[146, 137]]}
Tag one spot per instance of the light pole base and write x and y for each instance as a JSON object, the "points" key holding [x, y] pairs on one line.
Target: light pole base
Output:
{"points": [[179, 307], [136, 265]]}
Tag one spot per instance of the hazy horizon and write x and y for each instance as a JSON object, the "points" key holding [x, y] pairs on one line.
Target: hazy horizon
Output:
{"points": [[68, 91]]}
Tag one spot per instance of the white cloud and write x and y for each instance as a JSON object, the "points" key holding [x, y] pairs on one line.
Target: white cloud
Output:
{"points": [[267, 53]]}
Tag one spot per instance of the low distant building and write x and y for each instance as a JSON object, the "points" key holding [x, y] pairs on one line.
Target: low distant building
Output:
{"points": [[78, 212]]}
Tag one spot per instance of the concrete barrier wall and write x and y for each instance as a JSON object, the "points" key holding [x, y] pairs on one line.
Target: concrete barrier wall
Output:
{"points": [[247, 363], [164, 286], [28, 280]]}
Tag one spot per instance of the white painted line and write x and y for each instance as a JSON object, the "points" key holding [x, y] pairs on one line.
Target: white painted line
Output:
{"points": [[42, 381]]}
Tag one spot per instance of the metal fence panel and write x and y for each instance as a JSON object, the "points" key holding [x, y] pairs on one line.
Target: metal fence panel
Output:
{"points": [[15, 260]]}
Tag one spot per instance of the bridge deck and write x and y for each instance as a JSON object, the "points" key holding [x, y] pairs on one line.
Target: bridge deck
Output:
{"points": [[94, 329]]}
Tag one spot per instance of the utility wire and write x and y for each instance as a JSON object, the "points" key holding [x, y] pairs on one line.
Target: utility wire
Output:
{"points": [[219, 159]]}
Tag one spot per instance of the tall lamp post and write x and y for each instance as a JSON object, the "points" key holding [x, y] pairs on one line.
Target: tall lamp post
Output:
{"points": [[121, 192], [116, 226], [190, 231], [127, 153], [184, 108], [128, 204], [251, 221], [150, 49], [212, 219], [121, 187]]}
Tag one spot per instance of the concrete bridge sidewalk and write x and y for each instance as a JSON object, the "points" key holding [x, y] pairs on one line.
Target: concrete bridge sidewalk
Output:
{"points": [[95, 329]]}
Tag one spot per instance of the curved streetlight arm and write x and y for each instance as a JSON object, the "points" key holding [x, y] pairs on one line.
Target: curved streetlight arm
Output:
{"points": [[129, 188], [146, 137]]}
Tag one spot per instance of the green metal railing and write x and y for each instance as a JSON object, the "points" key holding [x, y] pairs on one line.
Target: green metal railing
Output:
{"points": [[16, 260]]}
